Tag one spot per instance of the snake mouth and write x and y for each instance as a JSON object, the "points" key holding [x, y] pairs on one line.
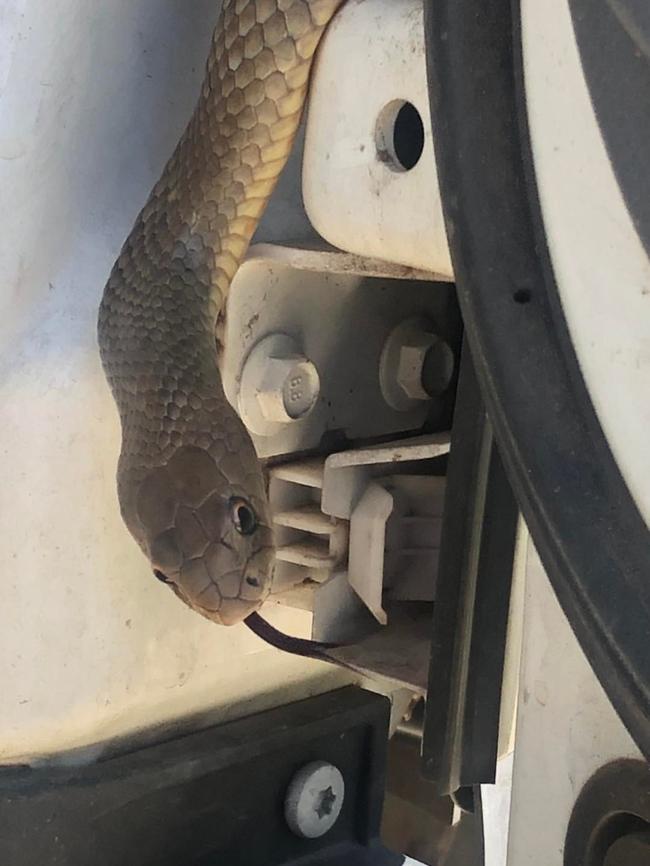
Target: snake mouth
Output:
{"points": [[221, 594], [229, 611]]}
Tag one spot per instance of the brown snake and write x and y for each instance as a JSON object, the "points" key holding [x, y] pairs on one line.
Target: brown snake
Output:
{"points": [[192, 492]]}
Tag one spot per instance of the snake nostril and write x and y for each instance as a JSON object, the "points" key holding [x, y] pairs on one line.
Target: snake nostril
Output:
{"points": [[160, 576], [243, 516], [252, 581]]}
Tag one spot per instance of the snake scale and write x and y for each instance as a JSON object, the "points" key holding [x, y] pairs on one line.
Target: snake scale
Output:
{"points": [[191, 489]]}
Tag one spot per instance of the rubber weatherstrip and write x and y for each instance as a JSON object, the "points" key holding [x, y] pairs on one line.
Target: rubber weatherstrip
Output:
{"points": [[594, 543]]}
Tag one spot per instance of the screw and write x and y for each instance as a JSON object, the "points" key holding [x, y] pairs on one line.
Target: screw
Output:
{"points": [[314, 799]]}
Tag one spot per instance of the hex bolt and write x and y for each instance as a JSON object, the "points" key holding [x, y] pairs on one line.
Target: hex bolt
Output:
{"points": [[278, 385], [438, 368], [410, 365], [415, 365], [314, 799], [288, 389]]}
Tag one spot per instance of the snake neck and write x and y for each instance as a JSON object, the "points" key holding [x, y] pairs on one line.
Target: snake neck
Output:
{"points": [[169, 286]]}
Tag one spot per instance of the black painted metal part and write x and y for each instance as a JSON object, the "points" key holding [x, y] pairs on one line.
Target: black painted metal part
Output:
{"points": [[211, 798], [470, 615], [593, 542]]}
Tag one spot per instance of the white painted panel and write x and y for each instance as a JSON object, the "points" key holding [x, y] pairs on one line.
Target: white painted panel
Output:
{"points": [[601, 268], [566, 728], [93, 97]]}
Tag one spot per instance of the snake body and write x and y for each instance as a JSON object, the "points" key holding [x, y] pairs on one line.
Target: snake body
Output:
{"points": [[191, 489]]}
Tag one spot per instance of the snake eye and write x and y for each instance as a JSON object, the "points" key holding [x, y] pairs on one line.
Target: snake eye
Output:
{"points": [[160, 576], [243, 516]]}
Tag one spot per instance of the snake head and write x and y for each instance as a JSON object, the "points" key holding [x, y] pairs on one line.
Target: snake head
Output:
{"points": [[207, 533]]}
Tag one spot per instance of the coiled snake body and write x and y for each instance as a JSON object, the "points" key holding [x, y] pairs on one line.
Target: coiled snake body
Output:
{"points": [[191, 490]]}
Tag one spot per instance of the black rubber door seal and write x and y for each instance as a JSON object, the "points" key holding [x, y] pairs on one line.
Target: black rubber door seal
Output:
{"points": [[591, 537]]}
